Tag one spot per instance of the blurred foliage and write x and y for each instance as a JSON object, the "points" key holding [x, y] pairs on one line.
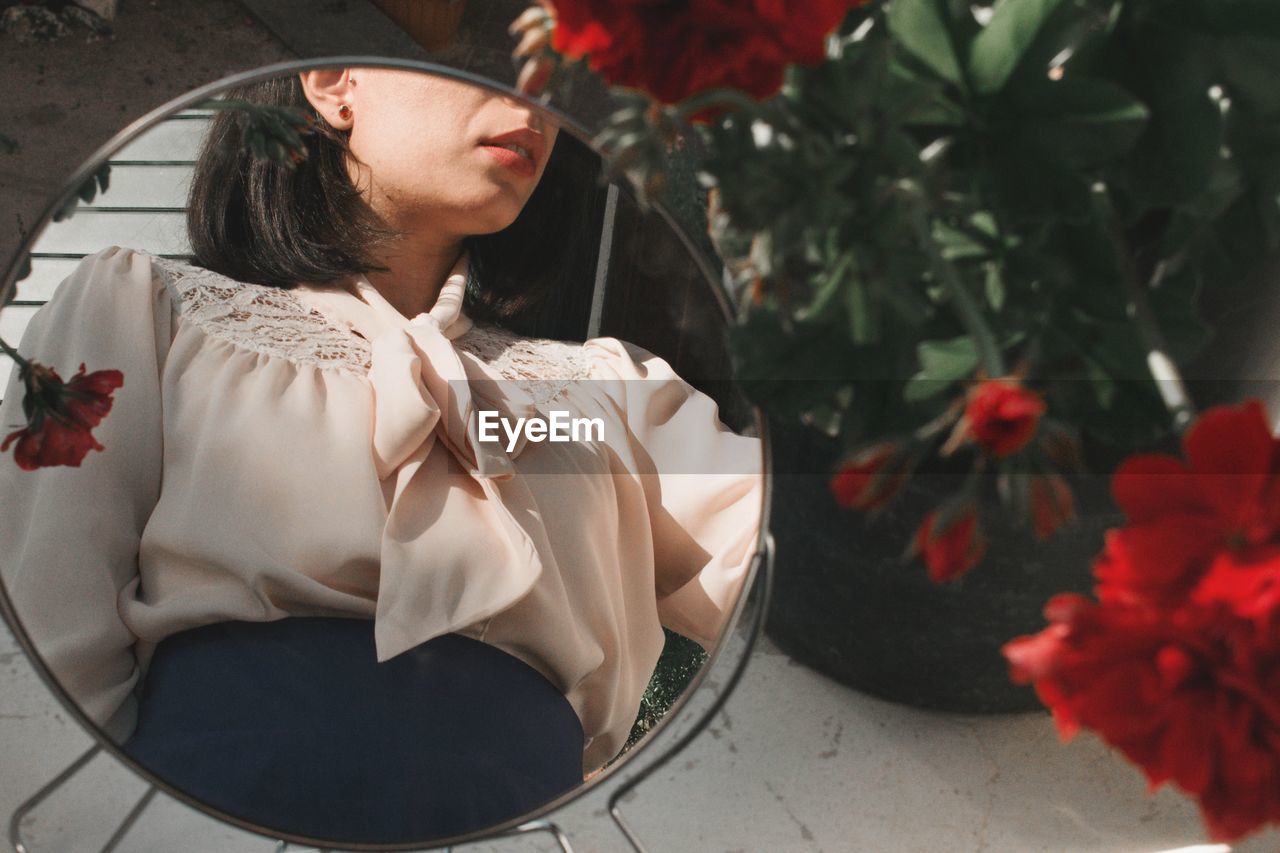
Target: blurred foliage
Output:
{"points": [[97, 183], [272, 133], [680, 661], [1004, 124]]}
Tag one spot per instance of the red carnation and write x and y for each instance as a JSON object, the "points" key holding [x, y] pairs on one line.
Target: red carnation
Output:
{"points": [[1248, 582], [950, 547], [1001, 415], [60, 415], [871, 478], [675, 49], [1191, 695], [1181, 514]]}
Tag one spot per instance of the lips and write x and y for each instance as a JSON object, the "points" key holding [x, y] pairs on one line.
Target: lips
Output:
{"points": [[519, 150]]}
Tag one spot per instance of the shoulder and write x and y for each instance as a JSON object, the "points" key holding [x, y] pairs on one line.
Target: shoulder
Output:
{"points": [[109, 289], [654, 394], [497, 345], [544, 359], [108, 275], [544, 368], [203, 294], [613, 358], [268, 320]]}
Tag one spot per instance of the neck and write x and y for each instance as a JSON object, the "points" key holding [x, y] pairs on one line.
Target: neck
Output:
{"points": [[415, 271]]}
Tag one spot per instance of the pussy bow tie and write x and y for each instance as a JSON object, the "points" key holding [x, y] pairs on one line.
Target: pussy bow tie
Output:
{"points": [[453, 552], [426, 389]]}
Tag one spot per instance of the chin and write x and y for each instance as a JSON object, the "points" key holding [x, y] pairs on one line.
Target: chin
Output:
{"points": [[480, 211], [494, 218]]}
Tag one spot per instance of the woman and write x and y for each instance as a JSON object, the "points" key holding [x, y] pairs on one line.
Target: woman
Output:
{"points": [[300, 581]]}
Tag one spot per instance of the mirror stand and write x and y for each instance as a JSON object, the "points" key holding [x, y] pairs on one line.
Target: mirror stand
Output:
{"points": [[756, 601], [26, 807]]}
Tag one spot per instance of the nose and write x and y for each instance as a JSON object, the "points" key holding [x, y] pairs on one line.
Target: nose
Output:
{"points": [[532, 117]]}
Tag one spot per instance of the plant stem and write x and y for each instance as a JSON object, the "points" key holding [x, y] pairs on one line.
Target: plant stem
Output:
{"points": [[966, 307], [732, 98], [1168, 379], [12, 353]]}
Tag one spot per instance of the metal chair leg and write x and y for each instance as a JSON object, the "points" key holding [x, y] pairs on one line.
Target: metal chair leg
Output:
{"points": [[129, 820], [544, 826], [21, 812], [25, 808]]}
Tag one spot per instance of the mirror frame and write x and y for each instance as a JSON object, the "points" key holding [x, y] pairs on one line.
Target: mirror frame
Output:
{"points": [[623, 775]]}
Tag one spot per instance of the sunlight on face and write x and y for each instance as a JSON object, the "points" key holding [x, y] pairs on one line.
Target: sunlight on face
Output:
{"points": [[423, 159]]}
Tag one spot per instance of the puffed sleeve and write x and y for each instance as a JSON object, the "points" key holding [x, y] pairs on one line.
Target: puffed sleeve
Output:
{"points": [[69, 535], [703, 486]]}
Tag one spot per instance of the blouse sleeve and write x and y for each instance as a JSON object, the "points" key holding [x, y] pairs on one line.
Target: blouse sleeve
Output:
{"points": [[703, 486], [69, 535]]}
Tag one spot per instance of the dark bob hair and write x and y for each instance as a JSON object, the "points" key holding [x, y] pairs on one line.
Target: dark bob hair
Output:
{"points": [[265, 223]]}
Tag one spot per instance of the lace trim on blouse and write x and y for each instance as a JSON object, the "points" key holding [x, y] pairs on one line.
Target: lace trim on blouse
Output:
{"points": [[273, 321], [540, 367], [267, 320]]}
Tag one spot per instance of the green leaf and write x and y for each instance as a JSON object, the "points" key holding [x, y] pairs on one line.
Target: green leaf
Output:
{"points": [[958, 245], [790, 369], [913, 100], [942, 363], [1174, 159], [86, 192], [920, 26], [24, 270], [1251, 66], [899, 293], [863, 325], [999, 47], [1082, 122], [830, 282], [1103, 386], [994, 286]]}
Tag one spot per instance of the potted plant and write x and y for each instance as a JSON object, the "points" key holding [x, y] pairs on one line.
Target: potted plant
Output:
{"points": [[990, 259]]}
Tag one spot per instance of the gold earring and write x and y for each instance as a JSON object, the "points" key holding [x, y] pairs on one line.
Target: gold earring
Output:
{"points": [[344, 112]]}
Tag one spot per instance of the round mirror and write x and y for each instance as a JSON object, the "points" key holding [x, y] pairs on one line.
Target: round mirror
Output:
{"points": [[372, 476]]}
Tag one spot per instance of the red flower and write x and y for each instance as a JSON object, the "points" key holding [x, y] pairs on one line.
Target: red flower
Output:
{"points": [[1051, 504], [1248, 582], [1182, 514], [1001, 415], [1191, 695], [676, 48], [871, 478], [951, 547], [60, 415]]}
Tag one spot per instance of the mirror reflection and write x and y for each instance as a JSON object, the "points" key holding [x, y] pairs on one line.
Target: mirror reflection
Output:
{"points": [[376, 533]]}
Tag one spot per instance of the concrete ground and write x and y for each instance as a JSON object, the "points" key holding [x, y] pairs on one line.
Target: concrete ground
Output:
{"points": [[68, 97], [795, 762]]}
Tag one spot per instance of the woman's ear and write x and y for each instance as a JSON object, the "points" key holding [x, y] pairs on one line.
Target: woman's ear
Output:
{"points": [[332, 93]]}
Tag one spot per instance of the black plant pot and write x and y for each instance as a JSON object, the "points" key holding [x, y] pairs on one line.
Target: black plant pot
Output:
{"points": [[846, 603]]}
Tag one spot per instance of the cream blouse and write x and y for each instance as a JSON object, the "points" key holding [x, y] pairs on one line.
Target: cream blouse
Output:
{"points": [[313, 452]]}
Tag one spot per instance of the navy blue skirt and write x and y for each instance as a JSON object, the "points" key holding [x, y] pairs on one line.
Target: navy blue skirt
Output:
{"points": [[293, 725]]}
